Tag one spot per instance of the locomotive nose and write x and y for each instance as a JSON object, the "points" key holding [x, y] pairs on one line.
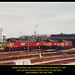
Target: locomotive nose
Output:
{"points": [[8, 45]]}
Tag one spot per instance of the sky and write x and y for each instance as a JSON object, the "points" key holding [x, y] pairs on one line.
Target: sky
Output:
{"points": [[21, 18]]}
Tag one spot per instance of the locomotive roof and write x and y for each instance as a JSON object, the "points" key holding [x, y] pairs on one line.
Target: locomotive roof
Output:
{"points": [[19, 39], [14, 39]]}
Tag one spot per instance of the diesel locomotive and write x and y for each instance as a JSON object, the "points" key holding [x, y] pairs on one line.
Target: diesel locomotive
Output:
{"points": [[22, 44]]}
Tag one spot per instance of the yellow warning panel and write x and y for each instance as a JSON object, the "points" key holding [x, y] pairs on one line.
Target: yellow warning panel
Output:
{"points": [[8, 45], [47, 44]]}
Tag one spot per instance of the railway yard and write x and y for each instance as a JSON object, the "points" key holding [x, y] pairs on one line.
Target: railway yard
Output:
{"points": [[50, 56]]}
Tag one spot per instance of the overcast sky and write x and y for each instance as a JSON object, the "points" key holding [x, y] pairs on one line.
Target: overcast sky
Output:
{"points": [[19, 18]]}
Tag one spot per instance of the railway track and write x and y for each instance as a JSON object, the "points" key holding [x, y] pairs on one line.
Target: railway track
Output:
{"points": [[51, 54], [34, 50], [36, 59], [53, 58], [37, 51], [50, 61], [61, 62], [17, 53], [2, 51], [11, 56]]}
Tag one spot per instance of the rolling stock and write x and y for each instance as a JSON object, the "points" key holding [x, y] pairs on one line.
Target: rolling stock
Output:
{"points": [[63, 44], [22, 44]]}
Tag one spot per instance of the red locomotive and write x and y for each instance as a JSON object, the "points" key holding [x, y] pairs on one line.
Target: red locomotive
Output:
{"points": [[23, 44], [63, 44]]}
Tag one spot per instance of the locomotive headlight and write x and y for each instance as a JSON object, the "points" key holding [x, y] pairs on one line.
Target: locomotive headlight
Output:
{"points": [[54, 43], [66, 43], [43, 43]]}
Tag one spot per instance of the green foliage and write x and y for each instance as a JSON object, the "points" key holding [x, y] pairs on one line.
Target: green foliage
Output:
{"points": [[1, 46], [33, 37]]}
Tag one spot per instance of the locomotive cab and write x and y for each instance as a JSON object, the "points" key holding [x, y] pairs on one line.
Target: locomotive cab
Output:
{"points": [[8, 44], [64, 44], [60, 44]]}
